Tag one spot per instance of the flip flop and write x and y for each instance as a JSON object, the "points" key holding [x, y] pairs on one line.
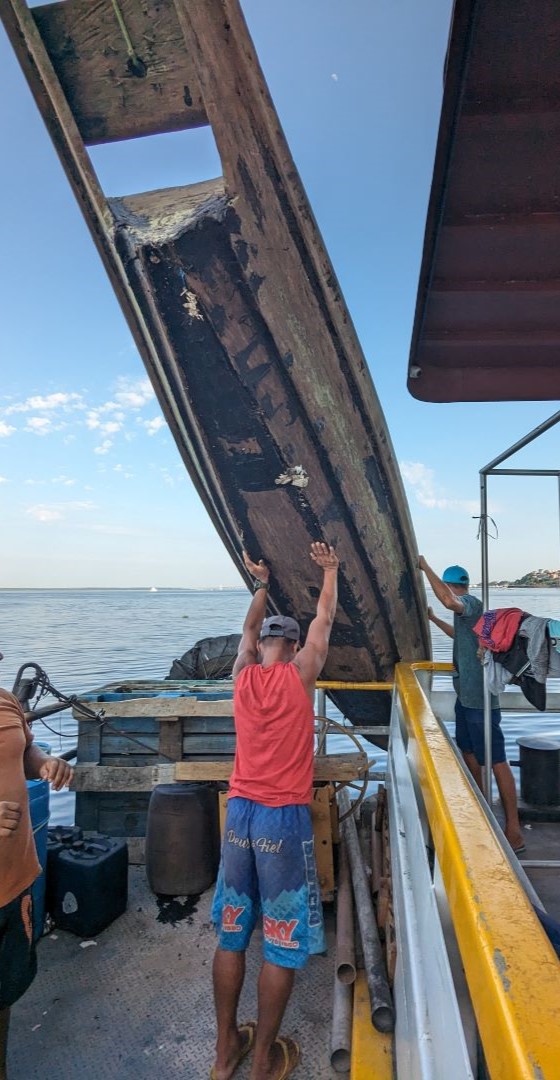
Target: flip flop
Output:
{"points": [[291, 1052], [250, 1029], [519, 850]]}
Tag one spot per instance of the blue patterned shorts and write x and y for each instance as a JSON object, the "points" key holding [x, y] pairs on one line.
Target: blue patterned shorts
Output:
{"points": [[268, 867]]}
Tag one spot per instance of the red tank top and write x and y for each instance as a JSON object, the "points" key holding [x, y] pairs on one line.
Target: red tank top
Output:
{"points": [[274, 724]]}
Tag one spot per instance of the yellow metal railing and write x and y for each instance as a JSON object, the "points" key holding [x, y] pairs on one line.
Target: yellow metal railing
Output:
{"points": [[322, 685], [511, 969]]}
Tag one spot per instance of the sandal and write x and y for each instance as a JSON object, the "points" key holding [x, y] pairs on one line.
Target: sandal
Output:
{"points": [[249, 1031], [291, 1052]]}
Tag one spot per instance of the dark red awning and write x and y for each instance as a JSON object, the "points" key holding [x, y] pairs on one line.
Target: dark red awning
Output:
{"points": [[487, 323]]}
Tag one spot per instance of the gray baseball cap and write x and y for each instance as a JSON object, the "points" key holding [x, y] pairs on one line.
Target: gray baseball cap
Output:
{"points": [[280, 626]]}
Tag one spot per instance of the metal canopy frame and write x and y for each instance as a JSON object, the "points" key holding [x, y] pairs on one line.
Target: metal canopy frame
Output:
{"points": [[492, 470]]}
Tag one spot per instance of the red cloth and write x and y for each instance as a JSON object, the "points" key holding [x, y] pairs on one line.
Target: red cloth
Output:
{"points": [[496, 630], [274, 723]]}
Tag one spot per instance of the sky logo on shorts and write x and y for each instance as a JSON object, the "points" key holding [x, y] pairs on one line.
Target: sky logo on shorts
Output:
{"points": [[230, 916], [280, 932]]}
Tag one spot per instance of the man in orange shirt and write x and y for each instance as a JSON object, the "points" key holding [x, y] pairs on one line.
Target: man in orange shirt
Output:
{"points": [[20, 759], [268, 861]]}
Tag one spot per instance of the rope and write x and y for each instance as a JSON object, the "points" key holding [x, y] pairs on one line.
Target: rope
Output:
{"points": [[135, 62]]}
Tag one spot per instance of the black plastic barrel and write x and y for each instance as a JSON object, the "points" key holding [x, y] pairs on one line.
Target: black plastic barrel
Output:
{"points": [[182, 839], [539, 761]]}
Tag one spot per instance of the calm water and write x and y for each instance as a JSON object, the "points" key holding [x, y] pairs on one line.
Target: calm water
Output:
{"points": [[86, 638]]}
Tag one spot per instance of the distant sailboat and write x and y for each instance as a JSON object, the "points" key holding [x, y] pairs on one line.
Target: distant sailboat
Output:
{"points": [[153, 589]]}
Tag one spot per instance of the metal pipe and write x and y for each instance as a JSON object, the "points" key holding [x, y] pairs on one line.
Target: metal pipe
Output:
{"points": [[523, 472], [345, 951], [534, 434], [341, 1031], [381, 1004], [68, 755], [559, 508], [487, 705]]}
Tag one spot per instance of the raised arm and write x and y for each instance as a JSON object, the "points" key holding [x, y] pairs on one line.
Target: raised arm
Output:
{"points": [[311, 659], [247, 652], [445, 595], [445, 626]]}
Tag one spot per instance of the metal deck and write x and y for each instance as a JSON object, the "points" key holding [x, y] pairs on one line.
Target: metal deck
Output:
{"points": [[139, 1002]]}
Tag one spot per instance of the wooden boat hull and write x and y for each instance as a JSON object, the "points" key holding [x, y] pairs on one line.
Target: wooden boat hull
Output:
{"points": [[238, 316], [289, 437]]}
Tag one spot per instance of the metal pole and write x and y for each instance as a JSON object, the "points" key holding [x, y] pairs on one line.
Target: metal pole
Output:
{"points": [[382, 1009], [487, 770], [345, 951], [341, 1031], [534, 434], [321, 700], [559, 511]]}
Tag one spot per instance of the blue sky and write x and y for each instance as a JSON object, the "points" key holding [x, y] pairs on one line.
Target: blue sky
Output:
{"points": [[92, 488]]}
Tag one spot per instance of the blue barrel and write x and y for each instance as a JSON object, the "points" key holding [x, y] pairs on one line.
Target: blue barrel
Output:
{"points": [[38, 793]]}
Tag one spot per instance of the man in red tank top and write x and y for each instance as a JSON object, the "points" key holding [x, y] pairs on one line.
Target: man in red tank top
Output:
{"points": [[268, 862]]}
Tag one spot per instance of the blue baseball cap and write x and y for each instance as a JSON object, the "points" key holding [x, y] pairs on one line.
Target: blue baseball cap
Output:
{"points": [[455, 575]]}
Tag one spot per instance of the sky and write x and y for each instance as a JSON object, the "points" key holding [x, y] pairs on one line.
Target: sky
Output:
{"points": [[92, 488]]}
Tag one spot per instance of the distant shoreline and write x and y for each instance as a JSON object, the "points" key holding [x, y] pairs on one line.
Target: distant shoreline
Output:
{"points": [[122, 588]]}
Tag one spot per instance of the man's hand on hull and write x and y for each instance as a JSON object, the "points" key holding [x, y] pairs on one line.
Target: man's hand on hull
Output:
{"points": [[324, 556], [259, 570]]}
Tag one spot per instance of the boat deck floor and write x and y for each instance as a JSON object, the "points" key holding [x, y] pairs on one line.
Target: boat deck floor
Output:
{"points": [[139, 1002], [542, 840]]}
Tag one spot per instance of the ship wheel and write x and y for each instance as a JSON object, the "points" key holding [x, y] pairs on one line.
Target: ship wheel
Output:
{"points": [[332, 727]]}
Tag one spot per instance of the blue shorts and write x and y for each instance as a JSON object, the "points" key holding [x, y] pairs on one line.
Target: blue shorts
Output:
{"points": [[469, 733], [268, 867]]}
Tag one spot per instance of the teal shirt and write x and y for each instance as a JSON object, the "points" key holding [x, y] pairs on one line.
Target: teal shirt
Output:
{"points": [[469, 680]]}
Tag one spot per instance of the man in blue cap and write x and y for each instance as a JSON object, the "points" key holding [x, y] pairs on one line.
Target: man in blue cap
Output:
{"points": [[452, 590]]}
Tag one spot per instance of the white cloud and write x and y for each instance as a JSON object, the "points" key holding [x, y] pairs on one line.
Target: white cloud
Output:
{"points": [[70, 410], [66, 481], [39, 425], [3, 479], [133, 393], [48, 513], [105, 427], [43, 513], [421, 479], [153, 426], [47, 403], [104, 447], [334, 77]]}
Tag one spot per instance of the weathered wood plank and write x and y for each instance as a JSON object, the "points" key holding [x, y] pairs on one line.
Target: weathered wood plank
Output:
{"points": [[86, 811], [171, 740], [165, 708], [210, 745], [120, 778], [118, 819], [322, 831], [89, 740], [334, 767], [111, 95]]}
